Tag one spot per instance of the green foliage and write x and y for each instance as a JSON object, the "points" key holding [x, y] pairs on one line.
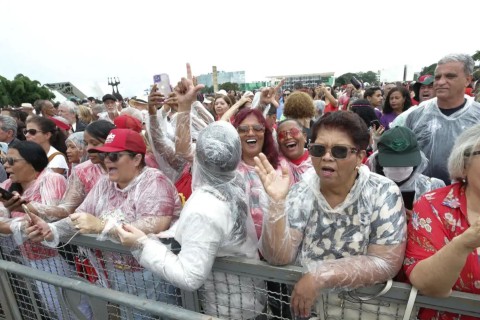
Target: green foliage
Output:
{"points": [[428, 70], [369, 76], [227, 86], [476, 56], [21, 89], [345, 78]]}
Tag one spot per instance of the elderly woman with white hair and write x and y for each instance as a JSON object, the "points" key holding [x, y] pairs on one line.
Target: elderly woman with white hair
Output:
{"points": [[443, 248]]}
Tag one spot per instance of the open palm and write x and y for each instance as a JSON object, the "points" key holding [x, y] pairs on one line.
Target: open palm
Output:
{"points": [[276, 185]]}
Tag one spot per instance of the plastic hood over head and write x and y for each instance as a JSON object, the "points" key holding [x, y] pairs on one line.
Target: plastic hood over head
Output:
{"points": [[217, 155]]}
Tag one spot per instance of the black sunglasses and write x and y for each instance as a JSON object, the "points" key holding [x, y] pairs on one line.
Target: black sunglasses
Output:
{"points": [[32, 132], [337, 151], [11, 161], [113, 156]]}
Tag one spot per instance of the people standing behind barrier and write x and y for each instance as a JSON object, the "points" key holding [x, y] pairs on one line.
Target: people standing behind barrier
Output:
{"points": [[31, 180], [342, 223], [291, 140], [442, 119], [214, 223], [399, 158], [45, 132], [255, 137], [397, 101], [83, 177], [443, 249], [131, 193]]}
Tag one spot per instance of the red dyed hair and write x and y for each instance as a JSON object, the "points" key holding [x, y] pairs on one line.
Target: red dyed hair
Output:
{"points": [[268, 149]]}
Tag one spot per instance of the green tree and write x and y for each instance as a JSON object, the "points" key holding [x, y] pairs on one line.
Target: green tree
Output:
{"points": [[428, 70], [21, 89], [476, 56], [227, 86], [345, 78], [369, 76]]}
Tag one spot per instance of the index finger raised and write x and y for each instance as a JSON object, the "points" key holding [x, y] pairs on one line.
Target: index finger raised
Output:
{"points": [[189, 72]]}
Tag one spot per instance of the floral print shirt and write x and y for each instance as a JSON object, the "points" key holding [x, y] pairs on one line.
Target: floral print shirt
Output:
{"points": [[437, 218]]}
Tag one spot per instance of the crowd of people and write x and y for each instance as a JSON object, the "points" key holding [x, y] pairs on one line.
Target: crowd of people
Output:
{"points": [[358, 185]]}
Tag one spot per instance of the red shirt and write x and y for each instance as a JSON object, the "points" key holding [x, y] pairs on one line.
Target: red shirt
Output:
{"points": [[330, 108], [437, 218]]}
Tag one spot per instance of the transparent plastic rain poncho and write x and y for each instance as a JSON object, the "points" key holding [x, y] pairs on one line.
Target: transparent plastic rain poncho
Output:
{"points": [[417, 182], [256, 194], [144, 202], [82, 179], [47, 189], [360, 242], [163, 134], [436, 133], [213, 223]]}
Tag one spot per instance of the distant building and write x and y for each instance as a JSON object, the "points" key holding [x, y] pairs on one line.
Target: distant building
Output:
{"points": [[222, 77], [307, 80]]}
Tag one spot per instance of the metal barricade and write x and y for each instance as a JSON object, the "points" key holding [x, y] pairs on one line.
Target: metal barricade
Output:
{"points": [[102, 279]]}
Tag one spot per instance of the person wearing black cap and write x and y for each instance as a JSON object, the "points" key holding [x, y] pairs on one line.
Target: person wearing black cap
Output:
{"points": [[110, 102], [399, 158]]}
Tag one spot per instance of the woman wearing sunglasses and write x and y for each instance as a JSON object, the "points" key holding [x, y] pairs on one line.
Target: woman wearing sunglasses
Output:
{"points": [[130, 193], [255, 137], [342, 223], [26, 162], [291, 140], [83, 177], [43, 131]]}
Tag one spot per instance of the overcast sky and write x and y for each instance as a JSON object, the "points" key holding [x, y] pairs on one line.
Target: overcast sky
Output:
{"points": [[85, 42]]}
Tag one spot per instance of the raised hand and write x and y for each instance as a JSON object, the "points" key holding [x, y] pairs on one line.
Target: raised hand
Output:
{"points": [[186, 91], [155, 99], [275, 185]]}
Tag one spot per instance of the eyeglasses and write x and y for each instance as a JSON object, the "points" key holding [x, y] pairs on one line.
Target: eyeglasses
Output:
{"points": [[113, 156], [11, 161], [337, 151], [294, 132], [31, 132], [255, 128], [471, 154]]}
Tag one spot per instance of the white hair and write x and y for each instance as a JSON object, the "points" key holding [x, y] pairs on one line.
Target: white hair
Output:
{"points": [[72, 107], [467, 61], [461, 154]]}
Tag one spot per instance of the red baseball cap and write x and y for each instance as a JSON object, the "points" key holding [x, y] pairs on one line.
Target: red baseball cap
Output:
{"points": [[123, 140], [126, 121]]}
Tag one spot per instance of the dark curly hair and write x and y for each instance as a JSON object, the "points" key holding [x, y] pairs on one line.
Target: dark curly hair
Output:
{"points": [[387, 108], [363, 108], [347, 122], [269, 149], [299, 105]]}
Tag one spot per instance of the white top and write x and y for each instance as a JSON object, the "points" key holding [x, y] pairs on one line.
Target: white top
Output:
{"points": [[58, 161]]}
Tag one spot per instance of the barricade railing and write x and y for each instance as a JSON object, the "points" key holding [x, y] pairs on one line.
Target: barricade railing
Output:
{"points": [[120, 289]]}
